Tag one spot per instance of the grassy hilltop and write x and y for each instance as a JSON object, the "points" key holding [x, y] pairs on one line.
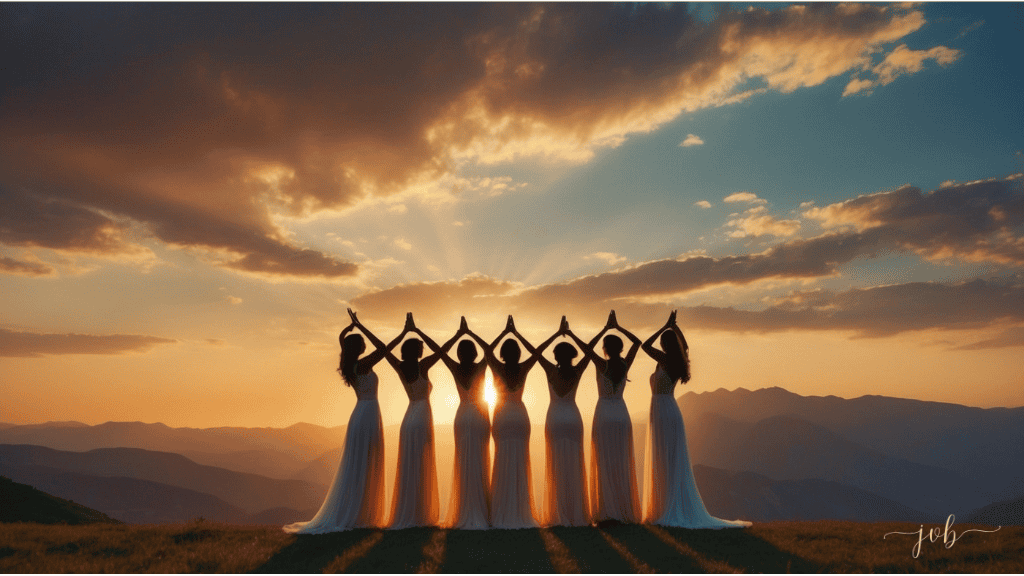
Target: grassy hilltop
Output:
{"points": [[823, 546]]}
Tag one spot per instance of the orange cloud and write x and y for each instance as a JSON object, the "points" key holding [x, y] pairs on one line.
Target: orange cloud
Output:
{"points": [[33, 345], [22, 268], [187, 120], [757, 222], [899, 62]]}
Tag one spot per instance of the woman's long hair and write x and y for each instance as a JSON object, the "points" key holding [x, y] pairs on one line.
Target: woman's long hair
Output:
{"points": [[412, 349], [616, 368], [352, 346], [677, 353], [467, 353], [564, 353], [510, 354]]}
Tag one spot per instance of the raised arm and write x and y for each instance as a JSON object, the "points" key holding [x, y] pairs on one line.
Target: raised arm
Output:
{"points": [[493, 360], [488, 349], [538, 353], [588, 355], [383, 350], [648, 346], [447, 346]]}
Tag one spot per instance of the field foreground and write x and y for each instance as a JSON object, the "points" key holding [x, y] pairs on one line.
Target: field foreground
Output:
{"points": [[824, 546]]}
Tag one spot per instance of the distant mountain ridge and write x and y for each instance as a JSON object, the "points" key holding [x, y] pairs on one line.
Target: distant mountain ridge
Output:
{"points": [[985, 445], [23, 503], [249, 492], [145, 502], [866, 458], [275, 452]]}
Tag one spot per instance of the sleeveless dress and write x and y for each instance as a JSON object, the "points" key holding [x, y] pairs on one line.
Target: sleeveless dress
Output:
{"points": [[356, 496], [511, 490], [415, 501], [670, 492], [612, 472], [470, 500], [565, 502]]}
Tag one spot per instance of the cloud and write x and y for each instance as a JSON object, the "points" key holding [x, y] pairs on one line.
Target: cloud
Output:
{"points": [[702, 204], [186, 120], [899, 62], [610, 258], [973, 221], [234, 299], [402, 243], [748, 197], [22, 268], [691, 140], [865, 312], [757, 222], [32, 345], [33, 221], [1010, 337]]}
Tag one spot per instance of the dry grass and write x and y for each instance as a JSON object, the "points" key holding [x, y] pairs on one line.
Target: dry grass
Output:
{"points": [[767, 547]]}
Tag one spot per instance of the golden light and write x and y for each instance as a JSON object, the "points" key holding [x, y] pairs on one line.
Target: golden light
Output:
{"points": [[490, 394]]}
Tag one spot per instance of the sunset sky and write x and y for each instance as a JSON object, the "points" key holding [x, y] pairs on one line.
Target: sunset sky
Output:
{"points": [[191, 195]]}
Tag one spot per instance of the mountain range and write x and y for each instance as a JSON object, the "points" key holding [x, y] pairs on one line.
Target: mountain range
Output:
{"points": [[761, 455]]}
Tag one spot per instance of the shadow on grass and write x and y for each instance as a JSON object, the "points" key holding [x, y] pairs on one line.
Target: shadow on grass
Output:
{"points": [[617, 549], [739, 549], [591, 551], [495, 550], [314, 552]]}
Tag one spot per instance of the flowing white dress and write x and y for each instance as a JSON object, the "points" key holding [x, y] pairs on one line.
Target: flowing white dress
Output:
{"points": [[470, 500], [565, 502], [415, 501], [670, 492], [511, 490], [612, 471], [356, 496]]}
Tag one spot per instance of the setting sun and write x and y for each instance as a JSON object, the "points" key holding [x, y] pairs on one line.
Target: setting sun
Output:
{"points": [[490, 394]]}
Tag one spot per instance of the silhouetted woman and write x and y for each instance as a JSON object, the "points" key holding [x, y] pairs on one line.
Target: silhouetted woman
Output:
{"points": [[470, 506], [612, 472], [356, 496], [511, 491], [415, 501], [565, 500], [670, 492]]}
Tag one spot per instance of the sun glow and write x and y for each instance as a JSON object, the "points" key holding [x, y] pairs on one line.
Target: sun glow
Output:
{"points": [[490, 394]]}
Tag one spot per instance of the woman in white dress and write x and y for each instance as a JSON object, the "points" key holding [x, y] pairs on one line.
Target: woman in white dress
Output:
{"points": [[613, 490], [470, 507], [670, 492], [415, 501], [565, 480], [356, 496], [511, 490]]}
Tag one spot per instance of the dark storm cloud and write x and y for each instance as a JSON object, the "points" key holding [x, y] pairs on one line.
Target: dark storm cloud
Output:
{"points": [[200, 119], [31, 345]]}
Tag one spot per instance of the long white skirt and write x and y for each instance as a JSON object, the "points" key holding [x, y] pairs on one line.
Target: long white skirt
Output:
{"points": [[415, 502], [470, 507], [565, 502], [612, 471], [356, 496], [670, 492], [511, 496]]}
